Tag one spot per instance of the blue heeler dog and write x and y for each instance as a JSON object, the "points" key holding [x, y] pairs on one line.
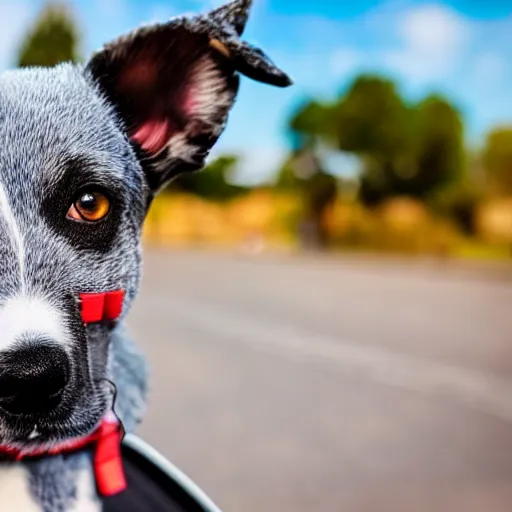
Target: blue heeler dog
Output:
{"points": [[83, 151]]}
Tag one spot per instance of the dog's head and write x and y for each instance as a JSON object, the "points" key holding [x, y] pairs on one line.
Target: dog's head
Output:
{"points": [[83, 150]]}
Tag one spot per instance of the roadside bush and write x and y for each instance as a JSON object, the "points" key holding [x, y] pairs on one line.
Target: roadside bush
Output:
{"points": [[259, 217], [399, 225], [494, 221]]}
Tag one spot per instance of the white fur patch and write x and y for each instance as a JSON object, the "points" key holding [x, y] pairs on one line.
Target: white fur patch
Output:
{"points": [[15, 494], [14, 490], [87, 497], [208, 89], [30, 316], [14, 233]]}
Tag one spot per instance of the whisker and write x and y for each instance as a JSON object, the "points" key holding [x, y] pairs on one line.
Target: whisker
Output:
{"points": [[113, 389]]}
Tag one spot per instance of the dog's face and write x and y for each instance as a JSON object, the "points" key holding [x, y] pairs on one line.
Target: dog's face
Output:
{"points": [[83, 150]]}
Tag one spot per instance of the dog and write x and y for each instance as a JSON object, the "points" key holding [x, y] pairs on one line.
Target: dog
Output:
{"points": [[84, 149]]}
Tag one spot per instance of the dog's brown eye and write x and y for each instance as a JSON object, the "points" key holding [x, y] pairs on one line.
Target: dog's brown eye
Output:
{"points": [[90, 207]]}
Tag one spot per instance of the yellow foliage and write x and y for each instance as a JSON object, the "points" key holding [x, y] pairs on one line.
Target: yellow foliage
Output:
{"points": [[494, 221], [254, 212], [264, 219], [183, 219], [403, 214], [399, 225]]}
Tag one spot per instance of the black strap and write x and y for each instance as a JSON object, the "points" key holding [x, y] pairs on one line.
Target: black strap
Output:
{"points": [[149, 489]]}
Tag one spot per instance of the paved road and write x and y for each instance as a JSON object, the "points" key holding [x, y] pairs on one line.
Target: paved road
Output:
{"points": [[300, 385]]}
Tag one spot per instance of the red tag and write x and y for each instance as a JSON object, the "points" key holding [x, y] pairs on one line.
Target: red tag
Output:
{"points": [[108, 462], [96, 307], [113, 305], [93, 305]]}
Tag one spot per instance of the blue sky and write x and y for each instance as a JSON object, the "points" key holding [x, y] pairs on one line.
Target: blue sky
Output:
{"points": [[462, 48]]}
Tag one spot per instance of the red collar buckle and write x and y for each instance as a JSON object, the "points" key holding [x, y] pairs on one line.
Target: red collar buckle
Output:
{"points": [[98, 307]]}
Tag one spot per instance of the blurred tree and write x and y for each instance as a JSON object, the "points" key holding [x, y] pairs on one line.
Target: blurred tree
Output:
{"points": [[286, 180], [53, 38], [311, 123], [459, 202], [439, 151], [405, 150], [303, 174], [372, 119], [497, 160], [213, 182], [309, 127]]}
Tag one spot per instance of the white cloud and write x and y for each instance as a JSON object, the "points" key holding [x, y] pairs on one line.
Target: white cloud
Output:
{"points": [[423, 44], [433, 38], [434, 28], [14, 20]]}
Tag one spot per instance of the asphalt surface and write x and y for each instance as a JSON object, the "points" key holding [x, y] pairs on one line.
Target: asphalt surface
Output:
{"points": [[301, 384]]}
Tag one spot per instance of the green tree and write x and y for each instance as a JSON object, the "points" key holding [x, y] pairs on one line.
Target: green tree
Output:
{"points": [[428, 158], [286, 180], [213, 182], [497, 160], [440, 147], [53, 38], [302, 173], [405, 149], [312, 122], [309, 127], [372, 120]]}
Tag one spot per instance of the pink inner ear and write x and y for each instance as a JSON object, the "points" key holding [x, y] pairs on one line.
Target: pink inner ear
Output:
{"points": [[152, 135], [190, 102]]}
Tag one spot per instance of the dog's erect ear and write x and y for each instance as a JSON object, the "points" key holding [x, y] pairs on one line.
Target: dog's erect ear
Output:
{"points": [[173, 84]]}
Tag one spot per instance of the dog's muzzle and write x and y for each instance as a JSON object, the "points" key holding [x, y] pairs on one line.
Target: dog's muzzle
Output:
{"points": [[33, 377], [33, 382]]}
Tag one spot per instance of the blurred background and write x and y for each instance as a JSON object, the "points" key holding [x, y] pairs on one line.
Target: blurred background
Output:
{"points": [[326, 306]]}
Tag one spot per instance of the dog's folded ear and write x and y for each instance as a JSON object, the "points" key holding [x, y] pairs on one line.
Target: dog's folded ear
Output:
{"points": [[173, 84]]}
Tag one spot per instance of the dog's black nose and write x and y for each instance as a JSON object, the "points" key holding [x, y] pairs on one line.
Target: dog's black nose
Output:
{"points": [[32, 378]]}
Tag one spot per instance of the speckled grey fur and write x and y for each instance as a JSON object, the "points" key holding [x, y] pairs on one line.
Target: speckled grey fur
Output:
{"points": [[53, 480], [51, 116]]}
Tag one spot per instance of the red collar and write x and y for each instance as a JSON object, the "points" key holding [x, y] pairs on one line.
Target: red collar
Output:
{"points": [[107, 460]]}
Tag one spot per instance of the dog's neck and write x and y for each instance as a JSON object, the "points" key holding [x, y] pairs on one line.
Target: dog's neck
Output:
{"points": [[56, 483], [128, 370]]}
